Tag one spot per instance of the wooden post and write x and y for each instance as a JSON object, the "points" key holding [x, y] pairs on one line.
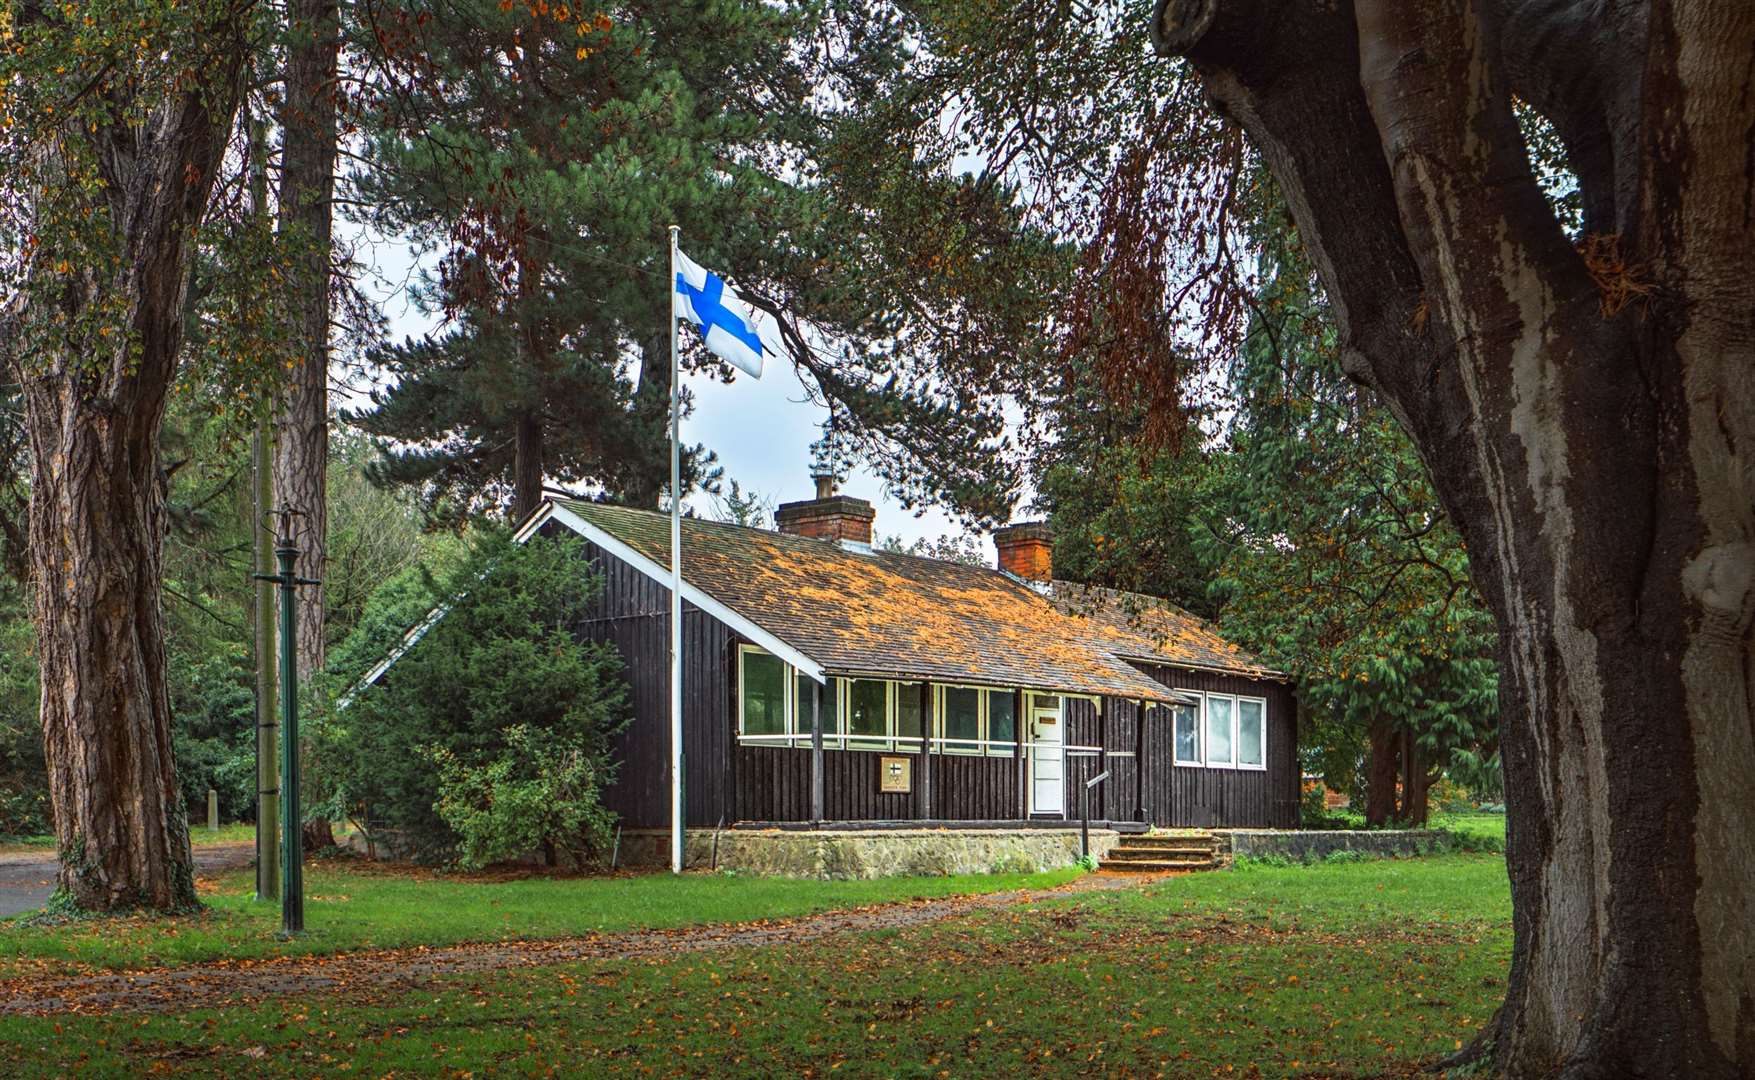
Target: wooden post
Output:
{"points": [[1103, 755], [816, 751], [213, 809], [1139, 764], [1023, 758], [925, 750]]}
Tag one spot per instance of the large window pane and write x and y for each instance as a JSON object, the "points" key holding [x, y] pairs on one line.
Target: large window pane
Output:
{"points": [[962, 719], [1187, 734], [867, 713], [1219, 720], [908, 713], [764, 694], [1002, 724], [1251, 732]]}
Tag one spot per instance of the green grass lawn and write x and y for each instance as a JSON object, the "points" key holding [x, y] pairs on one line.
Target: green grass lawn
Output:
{"points": [[357, 905], [1357, 969], [1475, 825]]}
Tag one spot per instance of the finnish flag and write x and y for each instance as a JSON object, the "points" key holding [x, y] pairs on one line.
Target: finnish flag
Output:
{"points": [[738, 333]]}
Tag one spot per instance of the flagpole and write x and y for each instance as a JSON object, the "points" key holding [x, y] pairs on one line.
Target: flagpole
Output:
{"points": [[676, 724]]}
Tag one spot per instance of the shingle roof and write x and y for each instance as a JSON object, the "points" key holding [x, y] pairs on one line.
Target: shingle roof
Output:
{"points": [[1150, 629], [886, 614]]}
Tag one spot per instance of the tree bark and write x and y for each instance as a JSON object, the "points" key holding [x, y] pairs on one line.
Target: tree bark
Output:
{"points": [[527, 467], [1589, 422], [1381, 769], [1416, 783], [97, 512], [307, 186]]}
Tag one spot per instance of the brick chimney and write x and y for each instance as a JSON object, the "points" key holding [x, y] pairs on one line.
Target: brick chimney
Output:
{"points": [[1026, 550], [838, 518]]}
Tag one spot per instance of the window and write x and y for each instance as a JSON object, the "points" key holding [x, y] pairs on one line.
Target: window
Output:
{"points": [[1251, 733], [762, 690], [908, 716], [1002, 721], [960, 723], [1186, 723], [1221, 727], [868, 714], [807, 688]]}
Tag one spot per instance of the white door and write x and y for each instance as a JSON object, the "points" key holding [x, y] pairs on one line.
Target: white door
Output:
{"points": [[1047, 763]]}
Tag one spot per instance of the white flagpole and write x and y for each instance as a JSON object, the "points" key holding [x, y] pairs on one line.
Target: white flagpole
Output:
{"points": [[676, 723]]}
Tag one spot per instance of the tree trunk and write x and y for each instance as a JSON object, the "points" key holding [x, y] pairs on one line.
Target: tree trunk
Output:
{"points": [[527, 467], [94, 405], [1588, 417], [1380, 772], [97, 529], [1416, 783], [307, 183]]}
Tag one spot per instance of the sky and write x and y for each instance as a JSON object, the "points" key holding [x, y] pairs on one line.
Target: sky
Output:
{"points": [[761, 429]]}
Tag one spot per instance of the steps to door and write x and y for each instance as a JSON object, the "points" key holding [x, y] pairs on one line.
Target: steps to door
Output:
{"points": [[1156, 853]]}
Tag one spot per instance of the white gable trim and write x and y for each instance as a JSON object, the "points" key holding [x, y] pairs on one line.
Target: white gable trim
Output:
{"points": [[554, 511], [691, 593]]}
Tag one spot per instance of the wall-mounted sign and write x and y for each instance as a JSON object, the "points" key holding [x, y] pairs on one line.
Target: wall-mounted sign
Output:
{"points": [[895, 774]]}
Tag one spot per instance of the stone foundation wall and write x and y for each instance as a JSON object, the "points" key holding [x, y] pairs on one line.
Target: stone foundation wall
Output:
{"points": [[831, 854], [1314, 844]]}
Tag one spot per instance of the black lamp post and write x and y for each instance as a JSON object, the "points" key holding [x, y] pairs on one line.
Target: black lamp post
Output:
{"points": [[292, 848]]}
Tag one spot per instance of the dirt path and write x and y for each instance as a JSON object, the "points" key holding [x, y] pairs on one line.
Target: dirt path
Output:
{"points": [[27, 878], [224, 983]]}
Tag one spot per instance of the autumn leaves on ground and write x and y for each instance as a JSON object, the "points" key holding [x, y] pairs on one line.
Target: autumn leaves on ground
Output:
{"points": [[1341, 969]]}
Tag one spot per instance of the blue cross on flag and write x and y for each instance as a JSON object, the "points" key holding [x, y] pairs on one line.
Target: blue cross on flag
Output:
{"points": [[738, 333]]}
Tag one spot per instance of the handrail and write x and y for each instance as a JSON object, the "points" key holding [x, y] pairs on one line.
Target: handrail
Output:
{"points": [[912, 742], [1085, 813]]}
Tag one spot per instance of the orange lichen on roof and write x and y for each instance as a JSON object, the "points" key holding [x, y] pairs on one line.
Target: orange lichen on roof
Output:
{"points": [[871, 612], [1141, 627]]}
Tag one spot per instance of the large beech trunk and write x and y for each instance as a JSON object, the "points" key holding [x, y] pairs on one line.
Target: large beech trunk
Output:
{"points": [[1588, 417], [97, 514], [307, 184]]}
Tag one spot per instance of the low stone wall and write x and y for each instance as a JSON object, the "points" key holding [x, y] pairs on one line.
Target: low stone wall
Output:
{"points": [[833, 854], [1314, 844]]}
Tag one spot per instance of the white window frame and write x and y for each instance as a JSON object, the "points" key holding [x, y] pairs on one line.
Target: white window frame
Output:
{"points": [[1206, 747], [1237, 733], [1199, 711], [871, 744], [1004, 748], [939, 715], [786, 736], [1201, 716], [834, 727]]}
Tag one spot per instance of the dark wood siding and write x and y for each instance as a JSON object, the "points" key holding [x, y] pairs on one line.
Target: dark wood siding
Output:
{"points": [[633, 613], [970, 788], [774, 785], [1241, 798]]}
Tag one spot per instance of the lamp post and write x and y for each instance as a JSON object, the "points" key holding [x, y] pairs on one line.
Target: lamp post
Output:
{"points": [[292, 848]]}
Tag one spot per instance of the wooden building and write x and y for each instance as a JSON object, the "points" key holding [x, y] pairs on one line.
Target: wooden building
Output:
{"points": [[826, 682]]}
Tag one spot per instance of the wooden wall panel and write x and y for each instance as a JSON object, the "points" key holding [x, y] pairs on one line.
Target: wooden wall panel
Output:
{"points": [[633, 613], [1241, 798]]}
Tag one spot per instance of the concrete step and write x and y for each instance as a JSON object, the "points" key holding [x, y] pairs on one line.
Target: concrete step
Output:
{"points": [[1157, 866], [1130, 851], [1168, 841]]}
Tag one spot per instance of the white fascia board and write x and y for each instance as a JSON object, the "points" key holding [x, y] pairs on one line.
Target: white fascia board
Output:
{"points": [[691, 593]]}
